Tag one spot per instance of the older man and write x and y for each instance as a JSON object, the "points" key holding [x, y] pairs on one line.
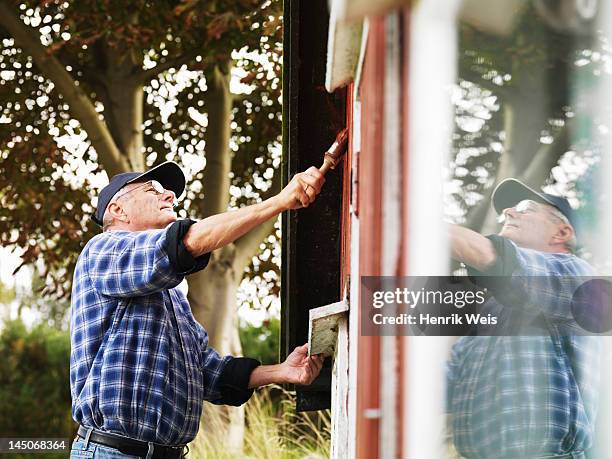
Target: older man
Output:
{"points": [[140, 365], [532, 395]]}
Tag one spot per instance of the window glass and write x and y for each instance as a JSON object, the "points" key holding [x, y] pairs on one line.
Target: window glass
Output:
{"points": [[531, 103]]}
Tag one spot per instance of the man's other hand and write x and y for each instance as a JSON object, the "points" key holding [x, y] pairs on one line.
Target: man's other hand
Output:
{"points": [[302, 190], [298, 368]]}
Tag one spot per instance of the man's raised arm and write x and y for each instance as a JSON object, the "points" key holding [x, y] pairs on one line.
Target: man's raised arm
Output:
{"points": [[471, 248], [219, 230]]}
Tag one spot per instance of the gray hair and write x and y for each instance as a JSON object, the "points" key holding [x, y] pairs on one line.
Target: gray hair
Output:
{"points": [[107, 221], [573, 242], [107, 218]]}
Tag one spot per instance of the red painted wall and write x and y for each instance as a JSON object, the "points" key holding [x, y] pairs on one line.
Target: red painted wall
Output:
{"points": [[370, 220]]}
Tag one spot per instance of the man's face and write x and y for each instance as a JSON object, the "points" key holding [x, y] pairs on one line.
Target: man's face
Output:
{"points": [[531, 225], [145, 207]]}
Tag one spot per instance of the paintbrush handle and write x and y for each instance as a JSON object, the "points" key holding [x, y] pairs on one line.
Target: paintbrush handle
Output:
{"points": [[327, 165]]}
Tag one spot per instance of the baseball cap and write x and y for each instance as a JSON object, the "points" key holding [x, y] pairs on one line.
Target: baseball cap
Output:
{"points": [[169, 174], [510, 192]]}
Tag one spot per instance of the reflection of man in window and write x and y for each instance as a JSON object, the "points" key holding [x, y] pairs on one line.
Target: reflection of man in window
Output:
{"points": [[525, 396]]}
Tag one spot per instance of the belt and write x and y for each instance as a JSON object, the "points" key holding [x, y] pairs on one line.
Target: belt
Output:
{"points": [[130, 446], [574, 455]]}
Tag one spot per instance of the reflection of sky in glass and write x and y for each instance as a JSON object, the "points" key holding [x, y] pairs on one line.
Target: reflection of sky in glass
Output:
{"points": [[474, 107]]}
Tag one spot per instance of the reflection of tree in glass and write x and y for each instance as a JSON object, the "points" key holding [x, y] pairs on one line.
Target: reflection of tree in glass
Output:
{"points": [[522, 110]]}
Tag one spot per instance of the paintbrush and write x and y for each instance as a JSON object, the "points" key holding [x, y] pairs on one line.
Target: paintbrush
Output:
{"points": [[334, 155]]}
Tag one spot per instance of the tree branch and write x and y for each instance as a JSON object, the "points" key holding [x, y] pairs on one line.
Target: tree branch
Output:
{"points": [[218, 132], [547, 157], [177, 62], [476, 216], [81, 106], [533, 175], [248, 245], [90, 75]]}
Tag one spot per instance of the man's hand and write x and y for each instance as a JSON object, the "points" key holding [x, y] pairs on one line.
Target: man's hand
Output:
{"points": [[298, 368], [302, 190]]}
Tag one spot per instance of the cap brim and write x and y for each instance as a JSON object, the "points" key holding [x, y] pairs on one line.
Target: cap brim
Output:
{"points": [[169, 174], [510, 192]]}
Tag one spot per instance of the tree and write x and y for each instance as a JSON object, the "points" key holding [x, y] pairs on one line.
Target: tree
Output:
{"points": [[262, 341], [34, 382], [138, 83], [515, 114]]}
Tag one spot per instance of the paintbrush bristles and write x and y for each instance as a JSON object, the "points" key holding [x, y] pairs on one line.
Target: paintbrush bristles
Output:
{"points": [[335, 152]]}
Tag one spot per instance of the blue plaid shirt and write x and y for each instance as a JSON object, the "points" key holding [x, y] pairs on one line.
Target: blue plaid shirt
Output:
{"points": [[526, 396], [140, 365]]}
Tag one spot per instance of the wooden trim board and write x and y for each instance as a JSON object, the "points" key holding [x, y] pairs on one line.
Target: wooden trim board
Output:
{"points": [[323, 328]]}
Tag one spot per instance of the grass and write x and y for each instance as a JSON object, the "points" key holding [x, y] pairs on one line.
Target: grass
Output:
{"points": [[273, 430]]}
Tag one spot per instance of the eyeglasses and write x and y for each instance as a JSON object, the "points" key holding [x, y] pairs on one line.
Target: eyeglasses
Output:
{"points": [[156, 187], [528, 206]]}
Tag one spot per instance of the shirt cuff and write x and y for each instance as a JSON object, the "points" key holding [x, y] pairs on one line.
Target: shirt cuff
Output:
{"points": [[180, 258], [497, 278], [234, 381], [506, 260]]}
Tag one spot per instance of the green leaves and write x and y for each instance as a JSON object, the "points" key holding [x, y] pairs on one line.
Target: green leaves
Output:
{"points": [[50, 171], [34, 382]]}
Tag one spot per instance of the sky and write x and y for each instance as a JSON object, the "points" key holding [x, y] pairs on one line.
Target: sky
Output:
{"points": [[21, 281]]}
